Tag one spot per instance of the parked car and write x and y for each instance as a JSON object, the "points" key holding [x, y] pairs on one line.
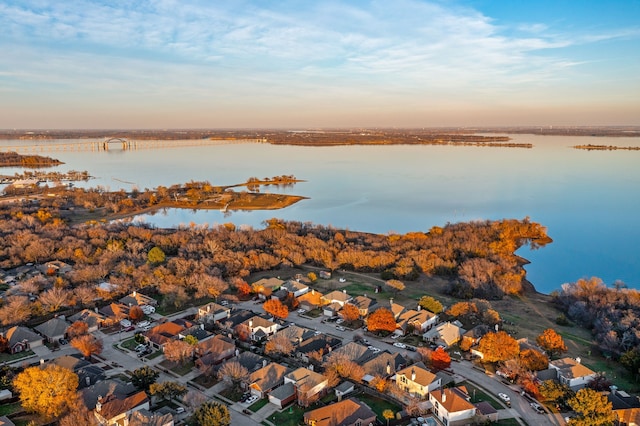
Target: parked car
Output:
{"points": [[179, 410], [144, 323], [537, 408], [129, 328], [141, 347], [342, 280], [148, 309], [224, 303], [302, 311], [125, 323], [341, 328], [63, 341], [400, 345], [505, 398], [339, 321], [251, 399]]}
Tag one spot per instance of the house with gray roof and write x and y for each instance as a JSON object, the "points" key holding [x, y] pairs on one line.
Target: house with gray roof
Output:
{"points": [[54, 329], [22, 339], [93, 319]]}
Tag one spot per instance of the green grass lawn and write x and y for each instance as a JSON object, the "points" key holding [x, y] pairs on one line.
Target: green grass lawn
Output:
{"points": [[179, 369], [291, 416], [378, 405], [478, 395], [507, 422], [5, 357], [6, 409], [232, 394], [259, 404]]}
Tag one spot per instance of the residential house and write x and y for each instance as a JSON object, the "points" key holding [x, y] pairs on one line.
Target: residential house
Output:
{"points": [[339, 297], [383, 364], [144, 417], [138, 299], [54, 329], [417, 380], [343, 389], [473, 336], [572, 372], [266, 286], [624, 417], [4, 421], [309, 385], [213, 312], [88, 373], [364, 304], [452, 406], [316, 347], [283, 395], [113, 313], [267, 378], [417, 321], [354, 351], [295, 334], [162, 334], [105, 388], [260, 328], [295, 287], [196, 331], [56, 267], [396, 309], [215, 350], [93, 319], [22, 339], [445, 334], [250, 361], [112, 410], [236, 318], [310, 300], [348, 412]]}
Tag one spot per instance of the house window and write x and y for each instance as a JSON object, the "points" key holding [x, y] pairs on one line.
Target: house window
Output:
{"points": [[403, 379]]}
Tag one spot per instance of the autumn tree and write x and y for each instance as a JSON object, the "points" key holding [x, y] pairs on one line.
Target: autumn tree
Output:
{"points": [[461, 309], [556, 392], [381, 320], [144, 377], [592, 407], [498, 347], [212, 413], [551, 341], [349, 312], [178, 351], [156, 256], [440, 359], [388, 415], [47, 391], [167, 390], [77, 329], [430, 304], [278, 344], [136, 313], [276, 308], [88, 345], [234, 374], [78, 415], [338, 365], [4, 344], [395, 285], [243, 289], [425, 354], [55, 298], [533, 360]]}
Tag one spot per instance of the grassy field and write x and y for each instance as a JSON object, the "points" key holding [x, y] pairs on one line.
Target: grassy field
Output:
{"points": [[291, 416]]}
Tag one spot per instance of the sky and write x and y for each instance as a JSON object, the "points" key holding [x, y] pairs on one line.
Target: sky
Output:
{"points": [[159, 64]]}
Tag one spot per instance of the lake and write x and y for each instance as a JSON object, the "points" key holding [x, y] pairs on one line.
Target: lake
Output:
{"points": [[588, 200]]}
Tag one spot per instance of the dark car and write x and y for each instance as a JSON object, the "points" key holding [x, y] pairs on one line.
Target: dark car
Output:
{"points": [[63, 341], [130, 328]]}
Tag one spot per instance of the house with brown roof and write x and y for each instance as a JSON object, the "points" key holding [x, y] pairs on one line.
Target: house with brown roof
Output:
{"points": [[138, 299], [113, 313], [213, 312], [572, 372], [295, 334], [310, 300], [295, 287], [417, 380], [339, 297], [309, 385], [264, 380], [215, 350], [260, 328], [266, 286], [321, 345], [396, 309], [147, 418], [112, 410], [417, 321], [92, 318], [364, 304], [383, 364], [445, 334], [22, 339], [162, 334], [452, 406], [627, 417], [348, 412]]}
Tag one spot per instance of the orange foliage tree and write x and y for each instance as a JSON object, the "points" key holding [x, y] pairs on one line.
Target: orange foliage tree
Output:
{"points": [[533, 360], [135, 313], [440, 359], [381, 320], [47, 391], [242, 287], [498, 347], [276, 308], [350, 312], [178, 351], [78, 328], [87, 344], [551, 342], [462, 308]]}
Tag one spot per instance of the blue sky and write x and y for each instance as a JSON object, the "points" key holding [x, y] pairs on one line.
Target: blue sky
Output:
{"points": [[406, 63]]}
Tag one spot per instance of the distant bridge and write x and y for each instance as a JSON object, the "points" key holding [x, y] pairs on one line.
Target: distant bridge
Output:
{"points": [[120, 143]]}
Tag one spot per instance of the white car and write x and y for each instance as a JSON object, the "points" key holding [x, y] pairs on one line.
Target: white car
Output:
{"points": [[400, 345], [339, 321], [143, 324], [504, 397], [341, 328], [148, 309], [374, 349], [125, 323], [302, 311], [251, 399], [343, 280], [537, 408]]}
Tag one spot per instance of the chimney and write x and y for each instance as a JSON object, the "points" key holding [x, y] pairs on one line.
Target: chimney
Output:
{"points": [[251, 323], [413, 374], [388, 368], [365, 295], [201, 326], [299, 339], [87, 380], [391, 301], [419, 308], [264, 362], [344, 291], [237, 351], [99, 403], [578, 360], [134, 294], [444, 396], [310, 367], [208, 308], [313, 291]]}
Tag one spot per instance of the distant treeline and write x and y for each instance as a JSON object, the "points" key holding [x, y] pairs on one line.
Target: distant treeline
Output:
{"points": [[13, 159], [590, 147]]}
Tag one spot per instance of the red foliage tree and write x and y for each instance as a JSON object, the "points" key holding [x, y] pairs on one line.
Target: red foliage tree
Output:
{"points": [[276, 308], [551, 342], [87, 344], [78, 328], [381, 320], [136, 313], [440, 359]]}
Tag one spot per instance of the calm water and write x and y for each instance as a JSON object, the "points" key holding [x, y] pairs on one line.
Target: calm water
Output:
{"points": [[590, 201]]}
